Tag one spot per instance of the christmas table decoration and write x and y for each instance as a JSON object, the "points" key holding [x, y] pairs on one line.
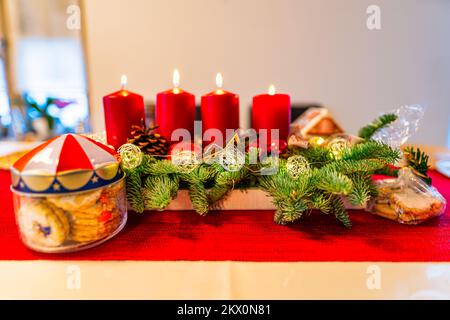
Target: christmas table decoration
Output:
{"points": [[328, 174], [69, 194]]}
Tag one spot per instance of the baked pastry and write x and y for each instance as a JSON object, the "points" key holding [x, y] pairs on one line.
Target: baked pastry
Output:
{"points": [[79, 201], [414, 207], [100, 219], [407, 199], [43, 224]]}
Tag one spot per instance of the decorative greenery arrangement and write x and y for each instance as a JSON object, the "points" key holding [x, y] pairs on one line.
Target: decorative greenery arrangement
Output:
{"points": [[318, 177]]}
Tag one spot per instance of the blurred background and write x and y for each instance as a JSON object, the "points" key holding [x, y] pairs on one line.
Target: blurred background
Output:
{"points": [[58, 58]]}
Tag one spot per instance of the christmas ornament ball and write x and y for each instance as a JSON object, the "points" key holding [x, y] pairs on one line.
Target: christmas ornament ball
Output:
{"points": [[337, 146], [232, 159], [131, 156], [296, 166], [185, 155], [184, 146]]}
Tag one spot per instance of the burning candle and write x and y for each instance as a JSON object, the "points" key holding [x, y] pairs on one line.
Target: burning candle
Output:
{"points": [[175, 109], [272, 111], [122, 109], [220, 110]]}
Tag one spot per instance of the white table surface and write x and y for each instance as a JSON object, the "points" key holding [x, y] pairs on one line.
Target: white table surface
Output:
{"points": [[222, 280]]}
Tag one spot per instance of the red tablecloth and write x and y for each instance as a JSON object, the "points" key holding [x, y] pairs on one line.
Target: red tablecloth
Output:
{"points": [[250, 236]]}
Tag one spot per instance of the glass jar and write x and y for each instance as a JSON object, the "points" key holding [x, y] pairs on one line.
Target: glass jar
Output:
{"points": [[71, 221]]}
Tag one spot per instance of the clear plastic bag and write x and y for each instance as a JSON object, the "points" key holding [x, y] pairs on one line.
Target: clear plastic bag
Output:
{"points": [[407, 199], [398, 132]]}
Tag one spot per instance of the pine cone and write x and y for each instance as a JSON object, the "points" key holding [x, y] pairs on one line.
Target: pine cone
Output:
{"points": [[148, 141]]}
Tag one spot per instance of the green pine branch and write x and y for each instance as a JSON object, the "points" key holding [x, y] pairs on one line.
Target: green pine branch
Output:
{"points": [[317, 156], [134, 190], [332, 181], [322, 202], [351, 166], [196, 180], [372, 150], [159, 167], [368, 131], [199, 198], [362, 189], [418, 161], [225, 181], [340, 212], [159, 191]]}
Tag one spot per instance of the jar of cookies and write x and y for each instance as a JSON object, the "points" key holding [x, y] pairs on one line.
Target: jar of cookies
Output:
{"points": [[69, 194]]}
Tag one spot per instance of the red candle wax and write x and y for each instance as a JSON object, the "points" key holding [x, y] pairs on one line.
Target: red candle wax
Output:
{"points": [[175, 109], [220, 110], [272, 111], [122, 109]]}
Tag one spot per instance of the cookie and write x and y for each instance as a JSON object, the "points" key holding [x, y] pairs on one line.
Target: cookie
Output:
{"points": [[43, 224], [89, 235], [385, 210], [81, 201], [84, 230]]}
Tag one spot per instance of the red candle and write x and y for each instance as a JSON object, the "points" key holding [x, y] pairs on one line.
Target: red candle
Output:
{"points": [[272, 111], [175, 109], [220, 110], [122, 109]]}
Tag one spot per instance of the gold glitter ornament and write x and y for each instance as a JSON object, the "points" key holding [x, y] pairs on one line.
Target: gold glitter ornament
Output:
{"points": [[185, 160], [232, 159], [337, 147], [296, 166], [131, 156], [316, 141]]}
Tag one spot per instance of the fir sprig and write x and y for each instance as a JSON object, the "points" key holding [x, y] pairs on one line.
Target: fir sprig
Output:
{"points": [[340, 212], [372, 150], [368, 131], [362, 191], [332, 182], [159, 191], [418, 161], [134, 190]]}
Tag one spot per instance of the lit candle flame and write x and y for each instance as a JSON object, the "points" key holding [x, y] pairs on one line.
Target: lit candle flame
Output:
{"points": [[176, 78], [272, 90], [219, 81], [123, 81]]}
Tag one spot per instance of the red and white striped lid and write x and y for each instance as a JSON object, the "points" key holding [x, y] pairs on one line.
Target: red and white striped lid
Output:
{"points": [[68, 163]]}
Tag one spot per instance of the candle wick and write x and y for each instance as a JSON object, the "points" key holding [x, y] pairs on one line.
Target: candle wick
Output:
{"points": [[123, 82]]}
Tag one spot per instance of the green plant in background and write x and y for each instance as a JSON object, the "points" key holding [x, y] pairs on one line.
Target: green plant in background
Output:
{"points": [[37, 110]]}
